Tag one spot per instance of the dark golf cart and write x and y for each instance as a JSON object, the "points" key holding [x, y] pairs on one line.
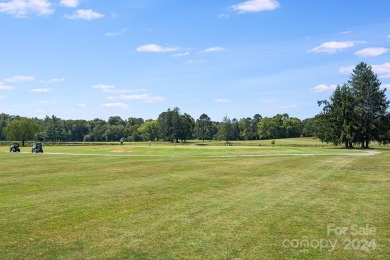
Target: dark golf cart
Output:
{"points": [[14, 148], [37, 148]]}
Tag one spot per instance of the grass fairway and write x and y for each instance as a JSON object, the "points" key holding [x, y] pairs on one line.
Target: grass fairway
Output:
{"points": [[194, 202]]}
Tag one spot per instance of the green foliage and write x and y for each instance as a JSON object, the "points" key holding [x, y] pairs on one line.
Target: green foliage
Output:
{"points": [[225, 131], [279, 126], [203, 125], [356, 112], [171, 125], [23, 129], [149, 130]]}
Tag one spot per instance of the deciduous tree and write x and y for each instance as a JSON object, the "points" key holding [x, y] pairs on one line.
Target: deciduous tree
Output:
{"points": [[23, 129]]}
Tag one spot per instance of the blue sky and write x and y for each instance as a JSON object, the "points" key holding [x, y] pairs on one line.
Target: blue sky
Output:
{"points": [[86, 59]]}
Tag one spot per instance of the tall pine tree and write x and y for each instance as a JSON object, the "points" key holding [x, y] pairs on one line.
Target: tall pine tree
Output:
{"points": [[356, 113]]}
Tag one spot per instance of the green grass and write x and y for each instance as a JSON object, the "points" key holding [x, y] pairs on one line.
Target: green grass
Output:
{"points": [[194, 202]]}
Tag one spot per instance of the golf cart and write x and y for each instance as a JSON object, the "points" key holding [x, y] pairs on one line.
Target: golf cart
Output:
{"points": [[37, 148], [14, 148]]}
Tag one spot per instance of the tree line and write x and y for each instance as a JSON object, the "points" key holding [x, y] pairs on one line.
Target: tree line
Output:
{"points": [[355, 114], [171, 126]]}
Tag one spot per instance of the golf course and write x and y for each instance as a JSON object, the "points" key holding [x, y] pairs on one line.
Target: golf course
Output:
{"points": [[292, 199]]}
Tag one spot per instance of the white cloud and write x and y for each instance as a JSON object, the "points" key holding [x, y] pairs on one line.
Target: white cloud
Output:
{"points": [[181, 54], [111, 89], [223, 16], [289, 106], [47, 102], [371, 52], [213, 49], [346, 70], [102, 86], [252, 6], [70, 3], [83, 14], [332, 47], [20, 79], [111, 34], [323, 87], [53, 80], [222, 100], [382, 70], [385, 86], [22, 8], [115, 105], [40, 90], [5, 87], [122, 91], [142, 97], [345, 32], [81, 105], [155, 48], [190, 62]]}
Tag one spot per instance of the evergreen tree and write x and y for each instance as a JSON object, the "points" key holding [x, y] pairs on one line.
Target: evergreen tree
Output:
{"points": [[356, 112], [370, 104]]}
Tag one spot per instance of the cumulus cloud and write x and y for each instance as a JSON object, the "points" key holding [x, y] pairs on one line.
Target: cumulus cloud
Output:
{"points": [[385, 86], [371, 52], [5, 87], [252, 6], [190, 62], [115, 105], [47, 102], [323, 88], [23, 8], [53, 81], [40, 90], [181, 54], [289, 106], [345, 32], [20, 79], [155, 48], [143, 98], [102, 86], [382, 70], [213, 49], [123, 91], [222, 100], [85, 14], [346, 69], [111, 89], [117, 33], [332, 47], [223, 15], [70, 3]]}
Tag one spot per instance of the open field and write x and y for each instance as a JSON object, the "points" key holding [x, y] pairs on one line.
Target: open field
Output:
{"points": [[195, 202]]}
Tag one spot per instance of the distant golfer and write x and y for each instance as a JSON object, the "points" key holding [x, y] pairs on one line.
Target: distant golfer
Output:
{"points": [[121, 140], [149, 143]]}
